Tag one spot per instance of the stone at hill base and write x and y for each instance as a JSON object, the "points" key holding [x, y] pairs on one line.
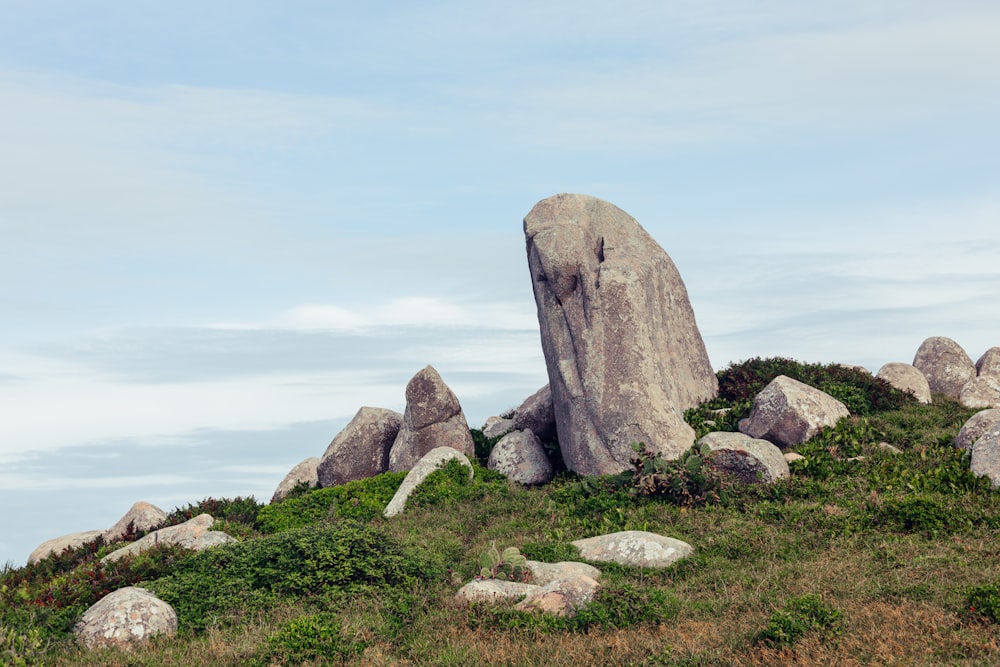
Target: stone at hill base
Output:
{"points": [[622, 349], [750, 460], [431, 461], [633, 547], [125, 618], [361, 449], [788, 412]]}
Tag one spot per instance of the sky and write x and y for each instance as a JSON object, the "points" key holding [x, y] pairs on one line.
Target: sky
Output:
{"points": [[226, 226]]}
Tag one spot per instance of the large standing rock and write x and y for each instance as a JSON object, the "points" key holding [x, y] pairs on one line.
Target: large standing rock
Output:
{"points": [[622, 349], [945, 365], [976, 427], [535, 414], [303, 472], [142, 515], [521, 457], [989, 363], [124, 618], [750, 460], [906, 377], [981, 392], [59, 544], [433, 418], [193, 534], [788, 412], [431, 461], [361, 449]]}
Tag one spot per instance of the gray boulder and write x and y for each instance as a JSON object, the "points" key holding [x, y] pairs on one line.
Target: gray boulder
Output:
{"points": [[906, 377], [521, 457], [536, 414], [494, 427], [981, 392], [431, 461], [976, 427], [142, 515], [788, 412], [989, 363], [124, 619], [622, 348], [193, 534], [302, 472], [433, 418], [546, 573], [750, 460], [59, 544], [633, 547], [945, 365], [563, 597], [985, 459], [361, 449]]}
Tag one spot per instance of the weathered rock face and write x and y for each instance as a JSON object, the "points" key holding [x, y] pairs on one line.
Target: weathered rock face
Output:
{"points": [[750, 460], [634, 547], [546, 573], [981, 392], [59, 544], [976, 427], [497, 426], [125, 618], [622, 349], [431, 461], [564, 597], [361, 450], [985, 460], [535, 414], [788, 412], [521, 457], [906, 377], [142, 515], [433, 418], [493, 590], [192, 534], [945, 365], [989, 363], [304, 472]]}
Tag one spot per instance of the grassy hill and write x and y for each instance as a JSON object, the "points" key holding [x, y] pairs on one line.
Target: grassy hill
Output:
{"points": [[861, 557]]}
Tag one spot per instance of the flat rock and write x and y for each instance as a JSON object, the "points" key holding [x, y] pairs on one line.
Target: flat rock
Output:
{"points": [[976, 427], [433, 418], [945, 364], [981, 392], [125, 618], [494, 590], [536, 414], [750, 460], [906, 377], [546, 573], [563, 597], [633, 547], [788, 412], [304, 471], [361, 449], [985, 459], [521, 458], [142, 515], [792, 456], [59, 544], [431, 461], [989, 363], [622, 349], [193, 534]]}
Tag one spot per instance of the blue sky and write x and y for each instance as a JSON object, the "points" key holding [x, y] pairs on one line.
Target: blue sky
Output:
{"points": [[226, 226]]}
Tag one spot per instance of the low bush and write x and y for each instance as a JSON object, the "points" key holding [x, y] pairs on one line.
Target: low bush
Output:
{"points": [[232, 510], [361, 500], [984, 601], [691, 480], [801, 615], [313, 639]]}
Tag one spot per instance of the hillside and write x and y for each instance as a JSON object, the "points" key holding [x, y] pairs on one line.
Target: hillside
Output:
{"points": [[862, 556]]}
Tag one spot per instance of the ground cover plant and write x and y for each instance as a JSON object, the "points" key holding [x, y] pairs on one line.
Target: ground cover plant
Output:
{"points": [[861, 557]]}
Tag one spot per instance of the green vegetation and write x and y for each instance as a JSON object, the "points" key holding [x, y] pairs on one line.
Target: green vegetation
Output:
{"points": [[862, 556]]}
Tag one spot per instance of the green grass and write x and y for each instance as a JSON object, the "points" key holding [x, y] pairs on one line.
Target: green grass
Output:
{"points": [[886, 559]]}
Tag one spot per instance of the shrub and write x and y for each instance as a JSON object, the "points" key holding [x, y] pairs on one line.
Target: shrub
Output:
{"points": [[232, 510], [484, 446], [361, 500], [984, 601], [509, 564], [915, 514], [451, 483], [20, 648], [313, 639], [690, 480], [801, 615]]}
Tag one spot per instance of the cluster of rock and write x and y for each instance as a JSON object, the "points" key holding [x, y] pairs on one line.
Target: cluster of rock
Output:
{"points": [[941, 366], [142, 516]]}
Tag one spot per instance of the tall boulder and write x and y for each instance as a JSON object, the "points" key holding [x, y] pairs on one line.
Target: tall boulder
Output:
{"points": [[906, 377], [788, 412], [622, 349], [362, 448], [989, 363], [945, 365], [433, 418]]}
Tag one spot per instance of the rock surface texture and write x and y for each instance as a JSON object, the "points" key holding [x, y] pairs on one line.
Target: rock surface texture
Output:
{"points": [[192, 534], [546, 573], [521, 458], [535, 414], [750, 460], [788, 412], [906, 377], [986, 456], [981, 392], [633, 547], [361, 449], [304, 472], [497, 426], [622, 349], [976, 427], [142, 515], [431, 461], [493, 590], [433, 418], [563, 597], [125, 618], [988, 365], [945, 365], [59, 544]]}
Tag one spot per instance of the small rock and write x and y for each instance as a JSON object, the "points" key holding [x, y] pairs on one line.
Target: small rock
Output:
{"points": [[125, 618], [520, 456], [976, 427], [302, 472], [793, 456], [906, 377], [633, 547], [886, 447], [750, 460], [431, 461]]}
